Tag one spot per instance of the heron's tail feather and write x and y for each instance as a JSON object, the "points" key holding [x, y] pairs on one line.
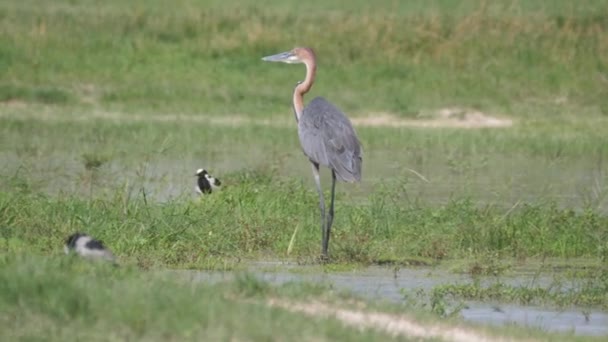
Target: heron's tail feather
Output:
{"points": [[349, 173]]}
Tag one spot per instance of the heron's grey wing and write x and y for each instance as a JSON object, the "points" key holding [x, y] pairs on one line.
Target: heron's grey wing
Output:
{"points": [[328, 138]]}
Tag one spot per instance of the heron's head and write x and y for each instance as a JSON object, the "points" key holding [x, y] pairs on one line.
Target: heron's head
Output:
{"points": [[297, 55], [200, 172]]}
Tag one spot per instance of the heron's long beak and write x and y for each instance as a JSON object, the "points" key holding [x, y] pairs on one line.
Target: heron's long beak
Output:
{"points": [[285, 57]]}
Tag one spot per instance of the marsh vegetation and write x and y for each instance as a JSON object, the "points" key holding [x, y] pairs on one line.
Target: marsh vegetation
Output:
{"points": [[107, 109]]}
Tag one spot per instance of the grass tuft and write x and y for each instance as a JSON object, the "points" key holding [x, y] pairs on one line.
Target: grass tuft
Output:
{"points": [[44, 95]]}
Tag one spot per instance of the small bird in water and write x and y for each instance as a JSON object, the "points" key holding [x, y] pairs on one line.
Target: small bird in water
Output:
{"points": [[206, 183], [87, 247]]}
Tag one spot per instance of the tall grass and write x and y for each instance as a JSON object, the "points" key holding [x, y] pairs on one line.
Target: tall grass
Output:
{"points": [[257, 216], [400, 57]]}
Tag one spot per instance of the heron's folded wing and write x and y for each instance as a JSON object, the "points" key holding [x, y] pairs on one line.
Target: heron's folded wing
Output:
{"points": [[328, 138]]}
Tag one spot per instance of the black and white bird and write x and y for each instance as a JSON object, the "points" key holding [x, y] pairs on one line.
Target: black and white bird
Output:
{"points": [[87, 247], [206, 183]]}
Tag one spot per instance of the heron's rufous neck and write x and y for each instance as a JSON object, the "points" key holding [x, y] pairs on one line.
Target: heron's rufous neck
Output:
{"points": [[304, 87]]}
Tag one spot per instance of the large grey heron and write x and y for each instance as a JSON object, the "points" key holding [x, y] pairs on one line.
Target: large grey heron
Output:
{"points": [[326, 135]]}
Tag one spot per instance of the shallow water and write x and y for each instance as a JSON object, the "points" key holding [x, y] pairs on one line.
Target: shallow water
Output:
{"points": [[504, 182], [387, 284]]}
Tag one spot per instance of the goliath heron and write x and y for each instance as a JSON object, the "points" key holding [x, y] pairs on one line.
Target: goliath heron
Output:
{"points": [[326, 135]]}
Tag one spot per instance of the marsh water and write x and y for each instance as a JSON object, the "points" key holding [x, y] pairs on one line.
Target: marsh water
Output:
{"points": [[503, 182], [390, 284]]}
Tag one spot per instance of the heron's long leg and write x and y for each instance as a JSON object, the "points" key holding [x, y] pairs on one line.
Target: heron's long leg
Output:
{"points": [[315, 173], [330, 217]]}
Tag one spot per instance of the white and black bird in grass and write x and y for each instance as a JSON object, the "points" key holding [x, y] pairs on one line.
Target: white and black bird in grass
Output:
{"points": [[87, 247], [206, 183]]}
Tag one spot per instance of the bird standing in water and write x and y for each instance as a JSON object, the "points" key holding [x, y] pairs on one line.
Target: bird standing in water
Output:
{"points": [[326, 135]]}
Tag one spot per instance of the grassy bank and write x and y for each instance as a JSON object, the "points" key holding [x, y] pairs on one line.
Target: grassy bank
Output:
{"points": [[64, 298], [58, 299], [257, 217]]}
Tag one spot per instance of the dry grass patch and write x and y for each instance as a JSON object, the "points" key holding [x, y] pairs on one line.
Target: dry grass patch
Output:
{"points": [[395, 325], [453, 117]]}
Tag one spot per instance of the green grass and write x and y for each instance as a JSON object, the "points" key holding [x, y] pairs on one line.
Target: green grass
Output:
{"points": [[579, 288], [512, 57], [34, 95], [59, 298], [591, 294], [106, 111], [92, 138], [256, 216]]}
